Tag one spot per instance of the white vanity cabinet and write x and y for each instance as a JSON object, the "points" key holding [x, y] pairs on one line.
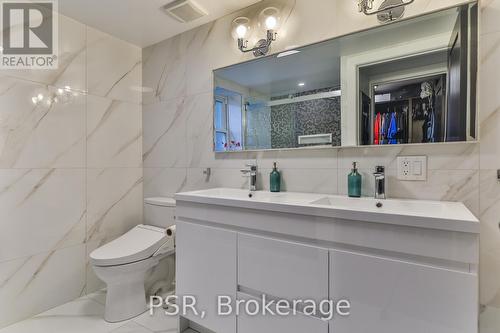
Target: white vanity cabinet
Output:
{"points": [[407, 267], [394, 296], [282, 269], [206, 269]]}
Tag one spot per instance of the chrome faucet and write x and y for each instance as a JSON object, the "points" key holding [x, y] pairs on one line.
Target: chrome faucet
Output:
{"points": [[251, 173], [379, 182]]}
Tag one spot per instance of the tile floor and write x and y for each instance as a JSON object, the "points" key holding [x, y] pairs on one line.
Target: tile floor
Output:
{"points": [[85, 315], [489, 322]]}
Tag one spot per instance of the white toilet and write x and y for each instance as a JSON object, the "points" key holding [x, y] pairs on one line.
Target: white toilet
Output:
{"points": [[122, 263]]}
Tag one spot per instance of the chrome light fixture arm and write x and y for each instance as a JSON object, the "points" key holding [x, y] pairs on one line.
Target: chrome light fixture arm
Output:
{"points": [[262, 46], [366, 5]]}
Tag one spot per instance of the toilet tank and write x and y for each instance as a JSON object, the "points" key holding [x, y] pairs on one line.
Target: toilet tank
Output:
{"points": [[159, 212]]}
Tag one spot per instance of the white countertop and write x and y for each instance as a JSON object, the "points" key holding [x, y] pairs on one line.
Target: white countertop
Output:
{"points": [[441, 215]]}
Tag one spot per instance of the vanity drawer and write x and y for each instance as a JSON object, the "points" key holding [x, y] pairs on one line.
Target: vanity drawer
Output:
{"points": [[393, 296], [282, 269], [298, 323]]}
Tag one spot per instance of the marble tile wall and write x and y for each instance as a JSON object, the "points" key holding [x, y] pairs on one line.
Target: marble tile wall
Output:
{"points": [[70, 173], [490, 162], [177, 123]]}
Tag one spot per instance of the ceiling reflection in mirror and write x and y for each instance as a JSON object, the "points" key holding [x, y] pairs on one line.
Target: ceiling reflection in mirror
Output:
{"points": [[413, 81]]}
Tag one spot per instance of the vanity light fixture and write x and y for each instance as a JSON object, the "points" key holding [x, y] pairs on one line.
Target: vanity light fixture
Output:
{"points": [[287, 53], [269, 19], [389, 10]]}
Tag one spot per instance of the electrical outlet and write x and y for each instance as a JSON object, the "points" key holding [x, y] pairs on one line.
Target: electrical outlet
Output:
{"points": [[412, 168]]}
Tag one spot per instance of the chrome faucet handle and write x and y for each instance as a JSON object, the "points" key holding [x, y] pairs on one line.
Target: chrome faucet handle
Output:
{"points": [[251, 173], [252, 166], [379, 182], [379, 170]]}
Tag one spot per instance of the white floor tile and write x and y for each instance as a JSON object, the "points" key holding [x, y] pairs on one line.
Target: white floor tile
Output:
{"points": [[158, 322], [131, 327], [81, 316], [86, 315], [489, 320], [98, 296]]}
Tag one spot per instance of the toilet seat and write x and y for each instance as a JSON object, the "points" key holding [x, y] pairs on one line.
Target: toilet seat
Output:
{"points": [[140, 243]]}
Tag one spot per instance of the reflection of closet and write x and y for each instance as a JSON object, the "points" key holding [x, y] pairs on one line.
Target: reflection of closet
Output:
{"points": [[391, 122], [408, 111]]}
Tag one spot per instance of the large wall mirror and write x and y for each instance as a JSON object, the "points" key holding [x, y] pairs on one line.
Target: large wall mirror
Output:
{"points": [[408, 82]]}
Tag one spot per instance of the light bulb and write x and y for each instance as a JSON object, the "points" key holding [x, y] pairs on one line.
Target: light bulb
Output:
{"points": [[34, 100], [271, 22], [241, 31], [40, 97]]}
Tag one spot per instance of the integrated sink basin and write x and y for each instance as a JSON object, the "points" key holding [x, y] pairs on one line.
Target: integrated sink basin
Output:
{"points": [[452, 216]]}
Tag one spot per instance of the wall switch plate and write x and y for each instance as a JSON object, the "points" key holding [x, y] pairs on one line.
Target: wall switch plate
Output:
{"points": [[412, 168]]}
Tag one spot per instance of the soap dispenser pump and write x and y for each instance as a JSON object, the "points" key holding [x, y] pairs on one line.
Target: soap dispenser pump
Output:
{"points": [[275, 179], [354, 182]]}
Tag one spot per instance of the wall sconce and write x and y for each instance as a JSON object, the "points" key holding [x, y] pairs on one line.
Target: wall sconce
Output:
{"points": [[389, 10], [269, 19]]}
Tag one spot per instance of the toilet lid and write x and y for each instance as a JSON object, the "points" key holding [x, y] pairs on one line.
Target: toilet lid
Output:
{"points": [[138, 244]]}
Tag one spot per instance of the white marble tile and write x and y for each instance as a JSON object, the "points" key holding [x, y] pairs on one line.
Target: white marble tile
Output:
{"points": [[114, 67], [321, 158], [39, 282], [164, 182], [42, 170], [114, 202], [293, 180], [39, 136], [490, 11], [490, 239], [43, 207], [131, 327], [233, 178], [99, 296], [114, 133], [489, 102], [489, 320], [164, 70], [442, 185], [71, 70], [489, 99], [199, 130], [305, 180], [164, 141], [490, 138], [453, 156], [81, 316], [158, 322]]}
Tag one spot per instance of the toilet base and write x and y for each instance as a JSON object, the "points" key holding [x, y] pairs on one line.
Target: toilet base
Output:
{"points": [[124, 302], [126, 297]]}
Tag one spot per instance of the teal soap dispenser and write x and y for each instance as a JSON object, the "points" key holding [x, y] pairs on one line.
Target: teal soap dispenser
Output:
{"points": [[354, 182], [275, 179]]}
